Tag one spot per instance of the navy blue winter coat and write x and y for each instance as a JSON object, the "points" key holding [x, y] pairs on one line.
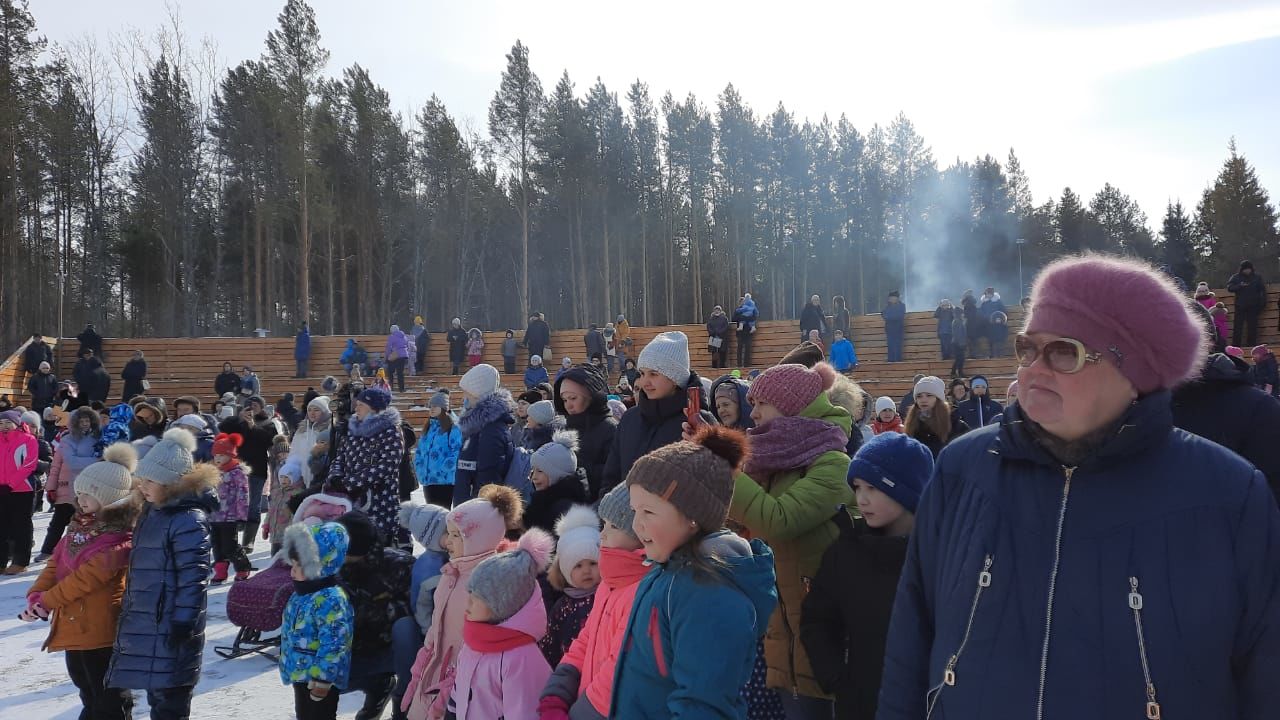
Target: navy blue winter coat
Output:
{"points": [[160, 638], [1160, 551], [302, 345], [977, 411], [486, 445]]}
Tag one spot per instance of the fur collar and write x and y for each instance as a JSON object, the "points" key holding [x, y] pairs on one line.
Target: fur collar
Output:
{"points": [[496, 407], [195, 489], [375, 423]]}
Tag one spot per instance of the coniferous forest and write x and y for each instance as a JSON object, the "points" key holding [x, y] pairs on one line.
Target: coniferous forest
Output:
{"points": [[147, 189]]}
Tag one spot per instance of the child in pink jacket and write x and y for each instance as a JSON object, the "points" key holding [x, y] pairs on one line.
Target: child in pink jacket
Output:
{"points": [[474, 531], [583, 681], [501, 670]]}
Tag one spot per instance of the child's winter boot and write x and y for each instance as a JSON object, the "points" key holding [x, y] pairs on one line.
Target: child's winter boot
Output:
{"points": [[242, 575], [220, 572]]}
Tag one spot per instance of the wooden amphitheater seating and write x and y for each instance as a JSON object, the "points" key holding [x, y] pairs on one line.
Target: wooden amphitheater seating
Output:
{"points": [[187, 366]]}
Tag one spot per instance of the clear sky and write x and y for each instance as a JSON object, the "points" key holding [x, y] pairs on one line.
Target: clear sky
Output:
{"points": [[1142, 93]]}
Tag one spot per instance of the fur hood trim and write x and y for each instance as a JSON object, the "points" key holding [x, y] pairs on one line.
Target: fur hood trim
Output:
{"points": [[203, 479], [496, 407], [375, 423], [95, 421]]}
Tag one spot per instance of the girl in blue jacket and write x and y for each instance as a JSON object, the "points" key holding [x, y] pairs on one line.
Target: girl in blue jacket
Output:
{"points": [[690, 640], [436, 460], [316, 632]]}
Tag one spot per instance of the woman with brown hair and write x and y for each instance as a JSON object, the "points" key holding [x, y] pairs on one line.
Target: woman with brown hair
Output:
{"points": [[931, 419]]}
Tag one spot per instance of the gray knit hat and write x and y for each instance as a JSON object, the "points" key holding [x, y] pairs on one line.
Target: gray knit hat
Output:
{"points": [[558, 458], [439, 400], [615, 507], [425, 522], [542, 412], [506, 581], [109, 480], [169, 459], [668, 354]]}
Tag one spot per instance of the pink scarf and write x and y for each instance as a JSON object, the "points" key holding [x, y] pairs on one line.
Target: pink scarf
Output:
{"points": [[791, 443], [487, 638]]}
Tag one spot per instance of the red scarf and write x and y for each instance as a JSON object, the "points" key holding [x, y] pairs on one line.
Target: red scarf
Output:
{"points": [[620, 568], [487, 638]]}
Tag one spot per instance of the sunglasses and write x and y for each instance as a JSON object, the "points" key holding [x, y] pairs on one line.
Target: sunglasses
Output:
{"points": [[1064, 355]]}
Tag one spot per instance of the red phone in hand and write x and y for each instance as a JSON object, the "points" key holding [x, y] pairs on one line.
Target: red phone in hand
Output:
{"points": [[692, 411]]}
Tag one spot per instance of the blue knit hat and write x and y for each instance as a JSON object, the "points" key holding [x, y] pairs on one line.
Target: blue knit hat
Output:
{"points": [[898, 465], [376, 397]]}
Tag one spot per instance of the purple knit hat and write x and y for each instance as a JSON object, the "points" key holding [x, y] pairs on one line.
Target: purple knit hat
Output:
{"points": [[791, 388], [1125, 309]]}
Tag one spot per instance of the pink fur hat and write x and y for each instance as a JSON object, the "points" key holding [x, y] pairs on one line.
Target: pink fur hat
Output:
{"points": [[1124, 309]]}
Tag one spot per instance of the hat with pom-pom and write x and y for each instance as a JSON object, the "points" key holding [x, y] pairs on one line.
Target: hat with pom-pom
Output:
{"points": [[425, 522], [558, 458], [1127, 311], [791, 388], [506, 581], [697, 477], [111, 479], [483, 521], [376, 397], [169, 459], [228, 444], [579, 533]]}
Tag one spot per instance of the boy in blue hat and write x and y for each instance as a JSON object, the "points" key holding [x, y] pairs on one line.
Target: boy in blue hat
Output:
{"points": [[846, 613]]}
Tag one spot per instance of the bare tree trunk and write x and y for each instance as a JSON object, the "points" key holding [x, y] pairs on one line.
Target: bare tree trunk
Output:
{"points": [[257, 270]]}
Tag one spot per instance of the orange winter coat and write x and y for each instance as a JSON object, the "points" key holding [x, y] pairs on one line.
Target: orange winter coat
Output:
{"points": [[84, 593]]}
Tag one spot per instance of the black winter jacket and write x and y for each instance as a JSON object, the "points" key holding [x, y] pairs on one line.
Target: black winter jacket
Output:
{"points": [[457, 339], [378, 588], [227, 382], [1251, 292], [35, 354], [134, 372], [978, 411], [256, 450], [845, 616], [1225, 407], [42, 386], [547, 506], [537, 336], [813, 318], [649, 425], [596, 427], [160, 639]]}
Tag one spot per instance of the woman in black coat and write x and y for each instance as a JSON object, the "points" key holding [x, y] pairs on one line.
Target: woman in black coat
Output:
{"points": [[582, 397], [813, 317], [457, 339], [227, 381], [134, 374]]}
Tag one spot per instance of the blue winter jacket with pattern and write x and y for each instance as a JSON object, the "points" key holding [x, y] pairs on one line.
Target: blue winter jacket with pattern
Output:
{"points": [[436, 460], [316, 635], [160, 638], [1145, 574]]}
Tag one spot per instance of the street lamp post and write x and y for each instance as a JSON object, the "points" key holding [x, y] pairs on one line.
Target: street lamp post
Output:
{"points": [[1022, 288]]}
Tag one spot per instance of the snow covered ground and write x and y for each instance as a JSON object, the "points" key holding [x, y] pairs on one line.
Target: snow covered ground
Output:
{"points": [[35, 685]]}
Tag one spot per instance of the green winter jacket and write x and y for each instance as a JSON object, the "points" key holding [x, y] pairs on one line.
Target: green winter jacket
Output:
{"points": [[792, 511]]}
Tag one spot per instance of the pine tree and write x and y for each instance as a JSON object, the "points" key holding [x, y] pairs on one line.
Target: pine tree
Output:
{"points": [[1119, 225], [1070, 221], [1019, 186], [1237, 218], [1177, 246], [513, 118], [296, 58]]}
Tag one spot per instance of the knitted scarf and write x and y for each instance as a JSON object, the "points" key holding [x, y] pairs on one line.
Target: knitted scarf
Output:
{"points": [[791, 443], [487, 638], [88, 535]]}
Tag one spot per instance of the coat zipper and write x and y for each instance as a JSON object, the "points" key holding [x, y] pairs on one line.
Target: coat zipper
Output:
{"points": [[949, 671], [1135, 603], [1053, 586]]}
